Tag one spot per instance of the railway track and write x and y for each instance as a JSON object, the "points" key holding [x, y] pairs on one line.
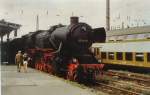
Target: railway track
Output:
{"points": [[120, 83], [131, 85], [114, 90], [118, 88], [140, 79]]}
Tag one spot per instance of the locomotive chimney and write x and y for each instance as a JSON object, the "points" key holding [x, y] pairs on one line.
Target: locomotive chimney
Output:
{"points": [[74, 20]]}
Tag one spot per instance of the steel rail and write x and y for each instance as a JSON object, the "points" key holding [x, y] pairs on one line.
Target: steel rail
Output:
{"points": [[120, 89]]}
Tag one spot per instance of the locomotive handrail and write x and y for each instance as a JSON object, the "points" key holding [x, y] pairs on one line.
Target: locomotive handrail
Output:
{"points": [[52, 43], [58, 50]]}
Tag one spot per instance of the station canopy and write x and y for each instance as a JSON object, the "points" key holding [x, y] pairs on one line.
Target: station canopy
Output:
{"points": [[7, 27]]}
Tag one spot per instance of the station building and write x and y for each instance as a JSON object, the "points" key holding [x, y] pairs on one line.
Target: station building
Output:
{"points": [[129, 34]]}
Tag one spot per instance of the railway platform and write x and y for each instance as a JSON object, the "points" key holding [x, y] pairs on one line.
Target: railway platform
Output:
{"points": [[35, 82]]}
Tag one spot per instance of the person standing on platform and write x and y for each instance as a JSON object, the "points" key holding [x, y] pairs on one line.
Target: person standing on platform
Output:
{"points": [[19, 60], [25, 62]]}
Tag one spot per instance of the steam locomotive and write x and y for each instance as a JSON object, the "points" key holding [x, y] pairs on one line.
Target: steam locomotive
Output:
{"points": [[63, 50]]}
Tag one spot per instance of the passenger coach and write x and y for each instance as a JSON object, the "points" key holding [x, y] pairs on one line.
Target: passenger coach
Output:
{"points": [[127, 53]]}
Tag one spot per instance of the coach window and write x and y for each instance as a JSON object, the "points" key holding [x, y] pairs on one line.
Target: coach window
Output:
{"points": [[139, 57], [119, 56], [111, 55], [148, 57], [103, 54], [129, 56]]}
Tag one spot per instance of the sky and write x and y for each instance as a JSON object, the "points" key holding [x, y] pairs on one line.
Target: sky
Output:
{"points": [[51, 12]]}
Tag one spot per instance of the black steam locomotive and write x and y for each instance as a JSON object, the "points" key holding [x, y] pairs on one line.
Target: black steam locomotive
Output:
{"points": [[63, 50]]}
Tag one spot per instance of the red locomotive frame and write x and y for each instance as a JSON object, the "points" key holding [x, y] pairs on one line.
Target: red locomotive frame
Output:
{"points": [[44, 64]]}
